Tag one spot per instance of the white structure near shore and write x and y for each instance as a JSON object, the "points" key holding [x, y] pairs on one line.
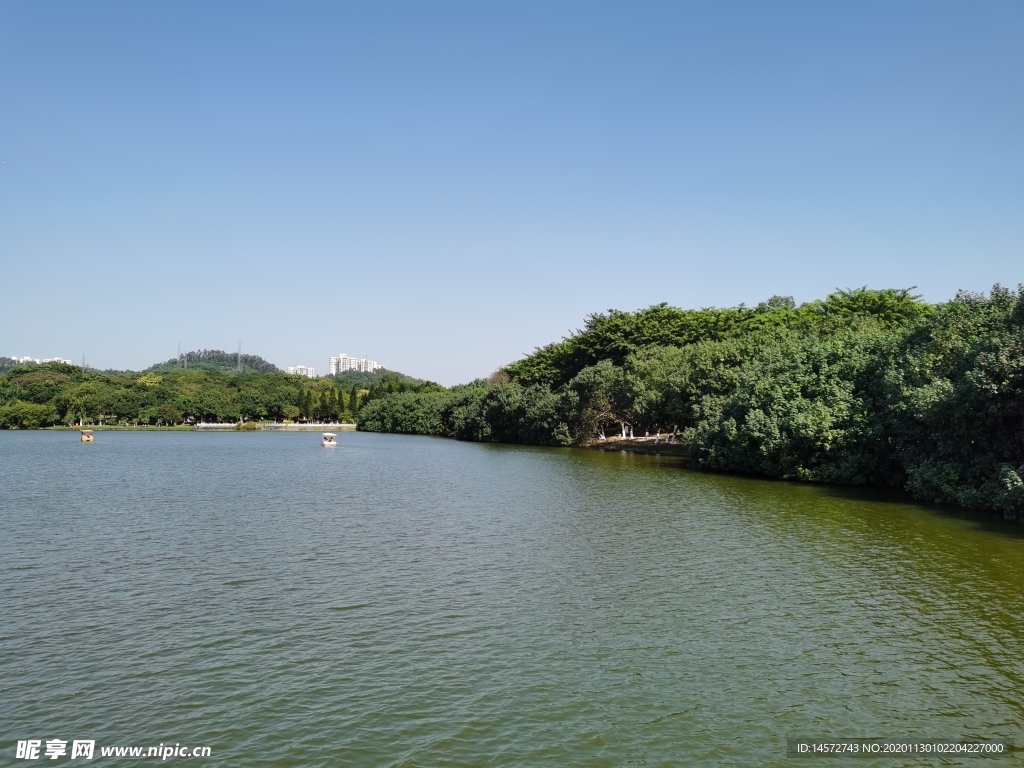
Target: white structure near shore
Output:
{"points": [[343, 363], [44, 360]]}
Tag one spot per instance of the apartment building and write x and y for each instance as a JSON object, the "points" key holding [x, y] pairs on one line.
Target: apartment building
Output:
{"points": [[343, 362]]}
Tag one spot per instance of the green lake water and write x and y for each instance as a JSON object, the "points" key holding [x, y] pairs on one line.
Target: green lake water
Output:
{"points": [[408, 601]]}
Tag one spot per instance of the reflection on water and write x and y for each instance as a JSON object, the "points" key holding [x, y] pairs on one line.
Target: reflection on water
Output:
{"points": [[411, 601]]}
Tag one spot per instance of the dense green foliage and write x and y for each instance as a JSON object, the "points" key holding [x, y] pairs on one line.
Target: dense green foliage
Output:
{"points": [[370, 380], [35, 395], [216, 361], [864, 388]]}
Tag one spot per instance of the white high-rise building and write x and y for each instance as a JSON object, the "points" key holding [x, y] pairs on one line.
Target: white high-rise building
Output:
{"points": [[301, 370], [343, 363]]}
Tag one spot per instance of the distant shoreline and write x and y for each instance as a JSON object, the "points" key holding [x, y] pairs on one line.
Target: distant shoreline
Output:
{"points": [[203, 428], [111, 428]]}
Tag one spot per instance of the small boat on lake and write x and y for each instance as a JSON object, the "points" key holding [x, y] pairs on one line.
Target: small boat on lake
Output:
{"points": [[86, 435], [329, 439]]}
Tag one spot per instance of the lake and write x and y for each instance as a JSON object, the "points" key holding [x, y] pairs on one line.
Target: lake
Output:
{"points": [[410, 601]]}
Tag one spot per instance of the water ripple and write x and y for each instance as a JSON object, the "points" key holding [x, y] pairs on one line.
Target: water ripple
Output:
{"points": [[406, 601]]}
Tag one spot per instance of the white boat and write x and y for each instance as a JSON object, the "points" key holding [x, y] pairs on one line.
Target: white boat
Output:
{"points": [[329, 439]]}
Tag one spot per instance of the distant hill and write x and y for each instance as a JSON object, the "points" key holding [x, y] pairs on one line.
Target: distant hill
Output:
{"points": [[370, 380], [216, 360], [219, 361]]}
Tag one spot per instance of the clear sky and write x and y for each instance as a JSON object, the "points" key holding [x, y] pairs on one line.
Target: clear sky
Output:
{"points": [[444, 186]]}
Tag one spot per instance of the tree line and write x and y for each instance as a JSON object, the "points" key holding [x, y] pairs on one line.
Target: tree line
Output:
{"points": [[865, 387], [34, 395]]}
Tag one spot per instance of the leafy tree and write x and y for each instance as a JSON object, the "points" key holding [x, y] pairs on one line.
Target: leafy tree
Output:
{"points": [[18, 414], [251, 404], [167, 414], [599, 399], [958, 403]]}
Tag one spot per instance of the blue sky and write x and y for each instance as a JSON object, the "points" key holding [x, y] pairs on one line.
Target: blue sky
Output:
{"points": [[444, 186]]}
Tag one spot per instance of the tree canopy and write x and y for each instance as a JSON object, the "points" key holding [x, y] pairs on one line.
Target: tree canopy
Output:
{"points": [[216, 361]]}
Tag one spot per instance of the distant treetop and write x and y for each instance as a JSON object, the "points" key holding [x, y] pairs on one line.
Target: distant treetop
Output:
{"points": [[370, 380], [216, 360]]}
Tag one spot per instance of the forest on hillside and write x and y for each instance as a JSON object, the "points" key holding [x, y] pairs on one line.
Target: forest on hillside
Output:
{"points": [[864, 387], [217, 361]]}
